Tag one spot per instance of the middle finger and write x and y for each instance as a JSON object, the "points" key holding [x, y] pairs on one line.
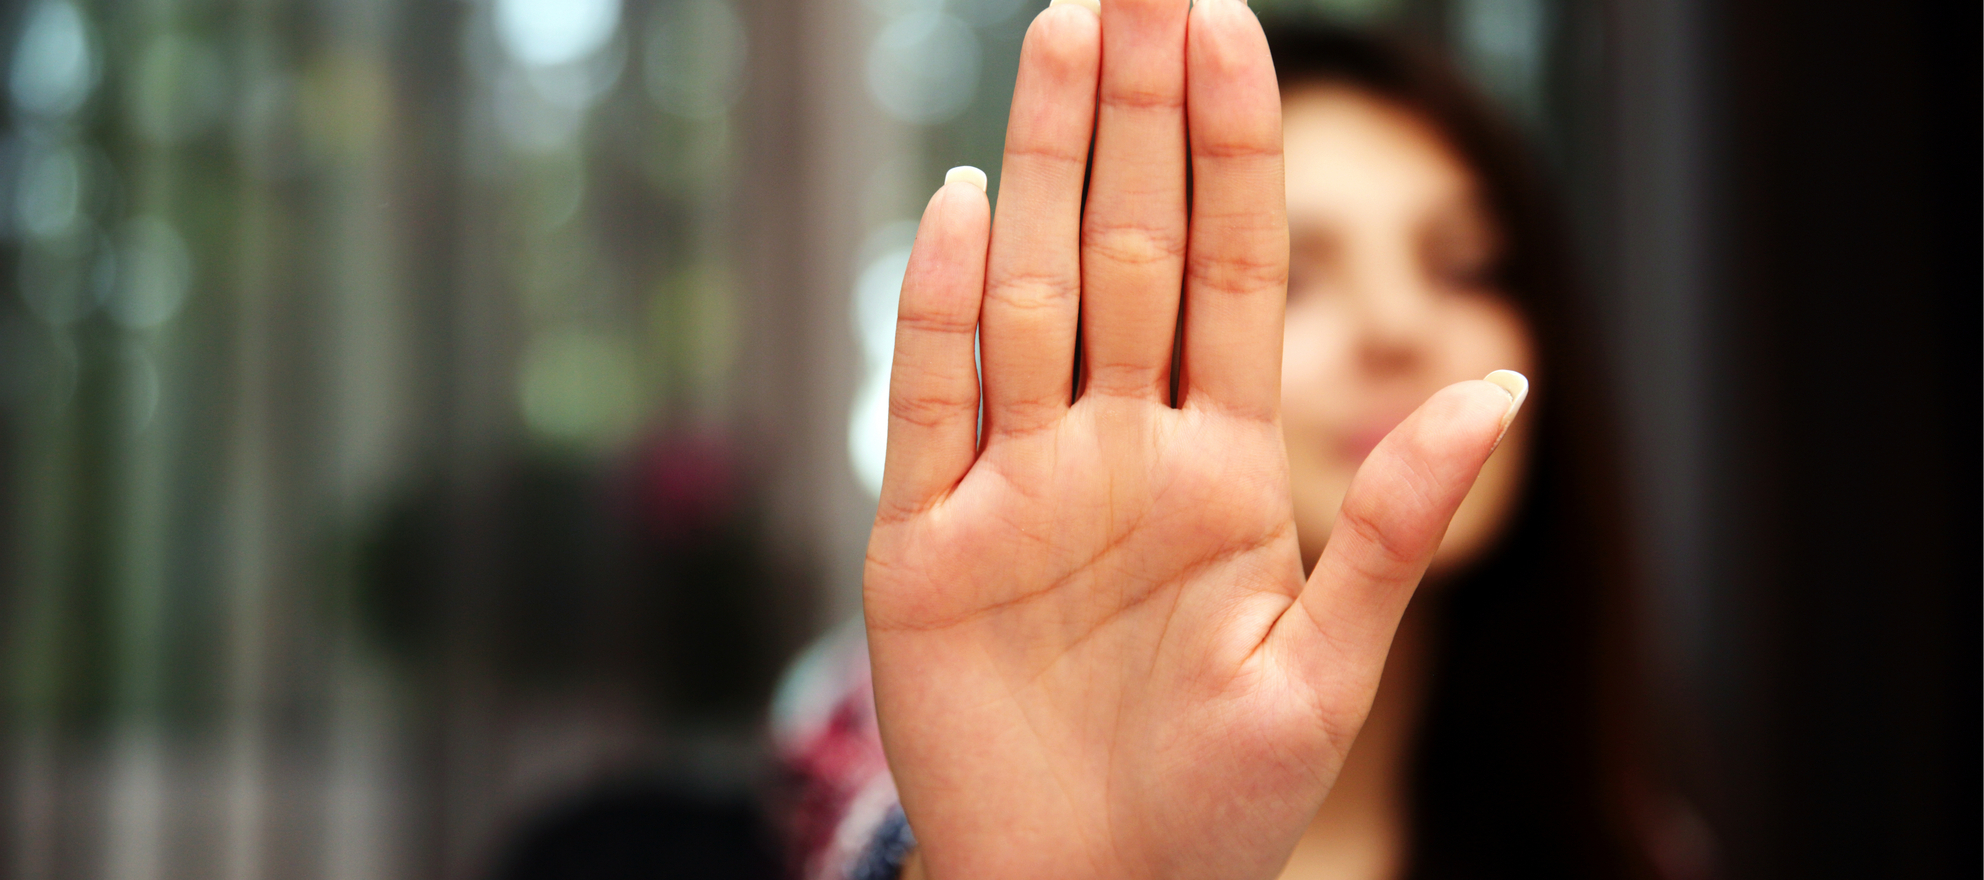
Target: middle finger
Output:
{"points": [[1133, 232]]}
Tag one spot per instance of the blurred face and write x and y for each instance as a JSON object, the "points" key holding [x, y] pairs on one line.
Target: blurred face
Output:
{"points": [[1390, 298]]}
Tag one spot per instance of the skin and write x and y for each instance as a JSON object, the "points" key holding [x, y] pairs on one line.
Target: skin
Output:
{"points": [[1389, 301], [1095, 650]]}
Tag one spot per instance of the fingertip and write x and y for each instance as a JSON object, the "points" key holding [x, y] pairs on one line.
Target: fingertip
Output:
{"points": [[1236, 98], [1470, 399], [1517, 387], [1094, 6], [1063, 19], [1225, 20], [953, 235], [962, 197], [966, 174], [1066, 38], [1462, 423]]}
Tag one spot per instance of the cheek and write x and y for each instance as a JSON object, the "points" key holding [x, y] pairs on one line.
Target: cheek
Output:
{"points": [[1316, 368], [1315, 351]]}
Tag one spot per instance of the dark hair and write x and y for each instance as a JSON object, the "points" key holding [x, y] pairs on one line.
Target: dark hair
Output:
{"points": [[1528, 762]]}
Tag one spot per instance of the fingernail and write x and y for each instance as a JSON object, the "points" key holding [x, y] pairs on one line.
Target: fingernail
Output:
{"points": [[1517, 385], [1094, 6], [967, 173]]}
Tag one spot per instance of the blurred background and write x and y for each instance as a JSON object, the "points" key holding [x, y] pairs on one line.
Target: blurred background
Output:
{"points": [[425, 424]]}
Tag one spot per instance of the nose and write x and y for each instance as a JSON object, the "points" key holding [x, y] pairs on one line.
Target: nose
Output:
{"points": [[1392, 308]]}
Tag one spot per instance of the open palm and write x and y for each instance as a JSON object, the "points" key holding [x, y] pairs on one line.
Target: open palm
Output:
{"points": [[1095, 653]]}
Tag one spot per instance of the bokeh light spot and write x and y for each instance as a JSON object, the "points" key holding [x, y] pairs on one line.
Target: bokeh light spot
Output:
{"points": [[876, 293], [545, 33], [154, 272], [48, 200], [53, 67], [579, 387], [923, 67]]}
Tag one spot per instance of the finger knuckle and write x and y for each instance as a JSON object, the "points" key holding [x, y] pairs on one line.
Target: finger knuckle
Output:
{"points": [[1031, 290], [930, 409], [1395, 551], [1034, 151], [1236, 273], [1163, 98], [1134, 244], [936, 322], [1014, 419], [1256, 409], [1236, 144]]}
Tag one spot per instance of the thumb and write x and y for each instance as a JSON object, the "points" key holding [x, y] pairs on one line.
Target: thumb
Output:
{"points": [[1336, 634]]}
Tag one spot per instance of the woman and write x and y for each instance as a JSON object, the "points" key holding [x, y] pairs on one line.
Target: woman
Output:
{"points": [[1501, 741]]}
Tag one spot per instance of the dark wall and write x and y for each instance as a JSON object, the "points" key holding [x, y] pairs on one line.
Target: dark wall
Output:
{"points": [[1843, 473]]}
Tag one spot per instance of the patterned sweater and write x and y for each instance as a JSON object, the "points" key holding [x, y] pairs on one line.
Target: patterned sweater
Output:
{"points": [[842, 814], [846, 822]]}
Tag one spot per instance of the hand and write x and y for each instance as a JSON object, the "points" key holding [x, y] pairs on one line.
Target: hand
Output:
{"points": [[1094, 651]]}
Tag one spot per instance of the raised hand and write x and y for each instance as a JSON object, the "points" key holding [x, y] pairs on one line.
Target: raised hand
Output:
{"points": [[1095, 654]]}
